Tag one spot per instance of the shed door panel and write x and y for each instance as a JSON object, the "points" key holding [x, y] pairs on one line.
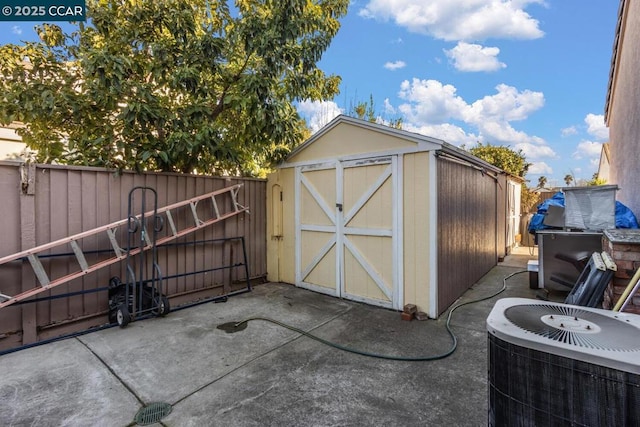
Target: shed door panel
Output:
{"points": [[346, 244], [317, 253], [367, 231]]}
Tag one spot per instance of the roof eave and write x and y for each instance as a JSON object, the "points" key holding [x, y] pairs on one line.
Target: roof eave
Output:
{"points": [[615, 58]]}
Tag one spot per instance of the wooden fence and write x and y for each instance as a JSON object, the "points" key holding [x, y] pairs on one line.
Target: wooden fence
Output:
{"points": [[43, 203]]}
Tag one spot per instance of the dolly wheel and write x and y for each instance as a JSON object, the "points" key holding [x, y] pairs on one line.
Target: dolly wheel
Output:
{"points": [[162, 305], [122, 316]]}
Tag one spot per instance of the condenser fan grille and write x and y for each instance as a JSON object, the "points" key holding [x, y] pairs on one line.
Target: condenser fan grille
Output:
{"points": [[574, 326]]}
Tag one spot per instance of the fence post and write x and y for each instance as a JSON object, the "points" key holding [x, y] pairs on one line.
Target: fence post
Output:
{"points": [[28, 241]]}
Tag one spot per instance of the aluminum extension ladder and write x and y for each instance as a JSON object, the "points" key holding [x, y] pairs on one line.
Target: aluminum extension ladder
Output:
{"points": [[592, 282], [117, 253]]}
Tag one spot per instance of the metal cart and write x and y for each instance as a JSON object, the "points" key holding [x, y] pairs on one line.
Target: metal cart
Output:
{"points": [[142, 293]]}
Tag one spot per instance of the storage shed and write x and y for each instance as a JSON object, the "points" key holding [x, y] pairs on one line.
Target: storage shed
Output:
{"points": [[387, 217]]}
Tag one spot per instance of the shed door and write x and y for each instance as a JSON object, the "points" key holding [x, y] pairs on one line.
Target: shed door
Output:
{"points": [[346, 230]]}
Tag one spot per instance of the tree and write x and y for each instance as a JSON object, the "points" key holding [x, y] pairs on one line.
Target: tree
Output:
{"points": [[542, 181], [568, 179], [513, 162], [172, 85], [595, 180]]}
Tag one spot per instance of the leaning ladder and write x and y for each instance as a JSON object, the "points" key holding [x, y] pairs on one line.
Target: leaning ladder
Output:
{"points": [[215, 214]]}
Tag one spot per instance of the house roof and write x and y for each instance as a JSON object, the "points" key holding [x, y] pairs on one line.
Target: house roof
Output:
{"points": [[615, 58], [8, 132], [606, 151], [423, 142]]}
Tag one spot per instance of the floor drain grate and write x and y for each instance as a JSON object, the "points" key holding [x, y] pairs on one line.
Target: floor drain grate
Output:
{"points": [[152, 413]]}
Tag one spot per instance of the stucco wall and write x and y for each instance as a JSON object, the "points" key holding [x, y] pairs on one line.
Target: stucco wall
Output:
{"points": [[624, 116], [10, 143]]}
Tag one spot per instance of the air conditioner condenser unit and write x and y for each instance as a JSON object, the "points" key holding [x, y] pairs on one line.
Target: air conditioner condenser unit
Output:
{"points": [[557, 364]]}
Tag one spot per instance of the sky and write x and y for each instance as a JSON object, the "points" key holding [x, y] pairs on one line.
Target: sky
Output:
{"points": [[528, 74]]}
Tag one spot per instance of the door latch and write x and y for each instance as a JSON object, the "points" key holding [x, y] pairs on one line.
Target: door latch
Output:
{"points": [[339, 206]]}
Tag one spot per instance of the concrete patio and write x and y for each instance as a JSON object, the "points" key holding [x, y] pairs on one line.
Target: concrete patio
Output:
{"points": [[265, 375]]}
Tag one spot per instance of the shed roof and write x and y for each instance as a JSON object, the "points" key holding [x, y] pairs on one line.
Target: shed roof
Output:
{"points": [[404, 140]]}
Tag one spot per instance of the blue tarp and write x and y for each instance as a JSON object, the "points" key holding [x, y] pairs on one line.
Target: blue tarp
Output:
{"points": [[624, 216]]}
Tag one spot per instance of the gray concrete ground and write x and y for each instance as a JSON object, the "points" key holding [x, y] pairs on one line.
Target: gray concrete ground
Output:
{"points": [[264, 375]]}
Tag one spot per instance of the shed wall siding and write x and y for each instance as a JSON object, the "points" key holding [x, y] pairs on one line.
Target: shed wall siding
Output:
{"points": [[467, 227], [347, 140], [281, 250], [501, 217], [416, 230]]}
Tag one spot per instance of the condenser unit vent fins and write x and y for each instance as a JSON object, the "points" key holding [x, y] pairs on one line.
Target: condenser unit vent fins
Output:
{"points": [[557, 364], [575, 326]]}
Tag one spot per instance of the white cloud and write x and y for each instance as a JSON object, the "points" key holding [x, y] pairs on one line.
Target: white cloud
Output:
{"points": [[16, 29], [474, 57], [506, 105], [447, 132], [590, 149], [459, 19], [396, 65], [429, 101], [540, 168], [318, 113], [571, 130], [534, 151], [388, 107], [430, 106], [596, 126]]}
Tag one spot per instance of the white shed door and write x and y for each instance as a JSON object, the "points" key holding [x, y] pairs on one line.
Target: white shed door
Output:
{"points": [[346, 230]]}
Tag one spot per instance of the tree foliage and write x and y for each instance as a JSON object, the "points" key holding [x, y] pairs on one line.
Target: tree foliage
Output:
{"points": [[511, 161], [542, 181], [507, 159], [595, 180], [367, 111], [568, 179], [172, 85]]}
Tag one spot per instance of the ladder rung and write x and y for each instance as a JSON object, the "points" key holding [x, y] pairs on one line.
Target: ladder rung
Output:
{"points": [[196, 220], [145, 236], [38, 269], [237, 206], [79, 255], [111, 232], [172, 225], [215, 206], [234, 197]]}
